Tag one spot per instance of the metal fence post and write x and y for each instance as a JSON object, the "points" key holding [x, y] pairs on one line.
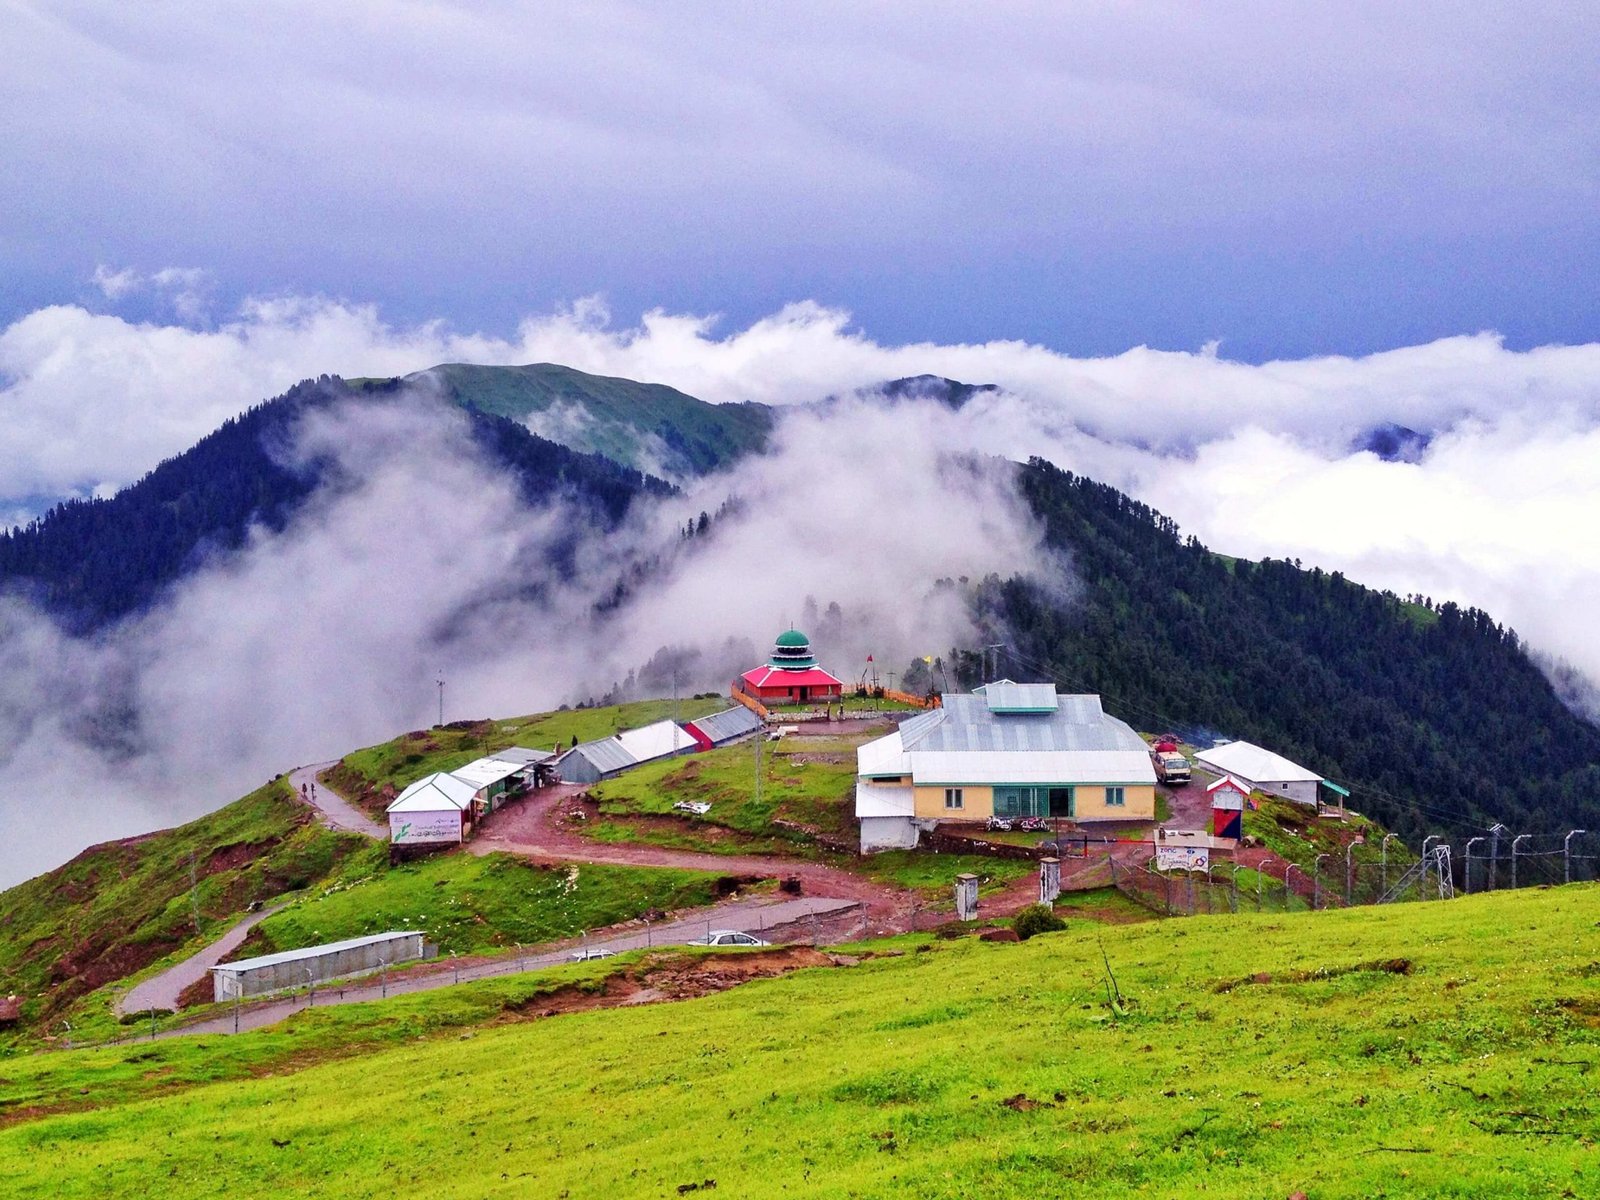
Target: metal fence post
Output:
{"points": [[1515, 842], [1466, 867], [1261, 872], [1566, 854], [1383, 858], [1316, 881], [1422, 880]]}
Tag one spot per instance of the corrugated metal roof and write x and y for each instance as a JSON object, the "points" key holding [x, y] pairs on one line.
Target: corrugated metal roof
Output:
{"points": [[1078, 724], [1008, 697], [785, 677], [729, 724], [485, 771], [1254, 764], [655, 741], [605, 754], [878, 800], [521, 754], [434, 793], [272, 960], [884, 756]]}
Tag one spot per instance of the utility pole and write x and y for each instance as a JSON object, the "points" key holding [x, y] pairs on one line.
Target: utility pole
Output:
{"points": [[995, 673], [1466, 870], [440, 682], [761, 736], [1566, 854]]}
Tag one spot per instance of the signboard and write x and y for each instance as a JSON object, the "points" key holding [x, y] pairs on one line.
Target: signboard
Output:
{"points": [[418, 828], [1183, 858]]}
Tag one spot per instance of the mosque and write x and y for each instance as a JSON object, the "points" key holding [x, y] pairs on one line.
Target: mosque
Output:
{"points": [[791, 675]]}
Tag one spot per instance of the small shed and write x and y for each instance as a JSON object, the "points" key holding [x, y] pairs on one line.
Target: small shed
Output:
{"points": [[315, 964], [720, 728], [590, 762], [1228, 797], [436, 810], [888, 817], [492, 780]]}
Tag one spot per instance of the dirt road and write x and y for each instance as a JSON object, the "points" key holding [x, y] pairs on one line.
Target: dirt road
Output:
{"points": [[532, 827], [162, 991]]}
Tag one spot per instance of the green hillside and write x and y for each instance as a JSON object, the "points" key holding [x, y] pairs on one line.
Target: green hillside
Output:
{"points": [[120, 907], [648, 426], [1444, 1049]]}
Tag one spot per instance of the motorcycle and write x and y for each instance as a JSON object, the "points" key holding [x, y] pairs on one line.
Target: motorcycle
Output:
{"points": [[998, 825]]}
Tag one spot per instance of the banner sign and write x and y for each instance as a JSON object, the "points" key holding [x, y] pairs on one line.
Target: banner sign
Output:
{"points": [[406, 829], [1183, 858]]}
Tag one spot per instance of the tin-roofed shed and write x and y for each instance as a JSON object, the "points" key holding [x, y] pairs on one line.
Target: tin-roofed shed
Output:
{"points": [[315, 964]]}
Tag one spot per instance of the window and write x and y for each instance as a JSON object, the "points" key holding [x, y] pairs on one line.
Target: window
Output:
{"points": [[1116, 797], [952, 797]]}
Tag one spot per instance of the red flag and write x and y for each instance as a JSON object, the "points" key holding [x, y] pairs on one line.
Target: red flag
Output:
{"points": [[869, 658]]}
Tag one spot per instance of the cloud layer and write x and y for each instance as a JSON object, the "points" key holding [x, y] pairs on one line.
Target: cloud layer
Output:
{"points": [[332, 633]]}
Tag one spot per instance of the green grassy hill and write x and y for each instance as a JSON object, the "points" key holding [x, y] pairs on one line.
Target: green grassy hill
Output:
{"points": [[648, 426], [122, 907], [1428, 1050]]}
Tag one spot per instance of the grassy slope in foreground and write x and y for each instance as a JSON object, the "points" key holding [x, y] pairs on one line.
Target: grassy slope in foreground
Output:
{"points": [[1470, 1076], [120, 907]]}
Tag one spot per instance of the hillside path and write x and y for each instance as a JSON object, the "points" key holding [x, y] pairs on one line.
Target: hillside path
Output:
{"points": [[531, 827], [332, 809], [162, 991], [806, 920]]}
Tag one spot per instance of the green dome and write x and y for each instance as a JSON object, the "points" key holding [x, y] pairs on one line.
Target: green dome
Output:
{"points": [[792, 652]]}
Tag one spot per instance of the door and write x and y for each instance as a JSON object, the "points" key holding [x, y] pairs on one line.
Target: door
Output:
{"points": [[1061, 802]]}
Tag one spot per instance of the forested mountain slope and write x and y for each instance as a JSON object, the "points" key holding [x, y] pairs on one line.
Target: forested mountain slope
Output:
{"points": [[92, 561], [1435, 716]]}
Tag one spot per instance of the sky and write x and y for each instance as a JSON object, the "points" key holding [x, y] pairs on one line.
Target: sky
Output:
{"points": [[1203, 251], [1289, 180]]}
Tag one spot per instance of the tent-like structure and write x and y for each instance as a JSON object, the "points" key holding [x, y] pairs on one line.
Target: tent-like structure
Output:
{"points": [[1262, 771], [436, 810]]}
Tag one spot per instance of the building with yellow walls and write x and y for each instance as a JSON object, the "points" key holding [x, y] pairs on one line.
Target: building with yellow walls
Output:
{"points": [[1007, 749]]}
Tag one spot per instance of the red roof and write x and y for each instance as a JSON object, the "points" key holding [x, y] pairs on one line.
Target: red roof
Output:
{"points": [[763, 677]]}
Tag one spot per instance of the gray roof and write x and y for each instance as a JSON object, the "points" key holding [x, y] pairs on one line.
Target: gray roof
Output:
{"points": [[1004, 696], [606, 754], [272, 960], [966, 722], [521, 754], [732, 723]]}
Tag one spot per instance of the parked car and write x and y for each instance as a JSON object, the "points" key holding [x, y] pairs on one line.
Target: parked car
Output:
{"points": [[589, 954], [698, 807], [729, 937]]}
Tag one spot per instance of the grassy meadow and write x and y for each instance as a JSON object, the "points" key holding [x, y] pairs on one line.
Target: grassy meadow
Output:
{"points": [[1438, 1050], [473, 904]]}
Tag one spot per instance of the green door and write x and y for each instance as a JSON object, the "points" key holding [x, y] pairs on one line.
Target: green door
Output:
{"points": [[1061, 802]]}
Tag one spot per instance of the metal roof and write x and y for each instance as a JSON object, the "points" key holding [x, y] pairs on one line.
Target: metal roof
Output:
{"points": [[729, 724], [1253, 764], [655, 741], [523, 755], [272, 960], [606, 755], [485, 771], [968, 723], [434, 793], [1008, 697]]}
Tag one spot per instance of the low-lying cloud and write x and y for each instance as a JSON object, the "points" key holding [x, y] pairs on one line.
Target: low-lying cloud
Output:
{"points": [[415, 557]]}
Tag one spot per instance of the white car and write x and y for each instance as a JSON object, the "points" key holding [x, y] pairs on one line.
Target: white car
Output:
{"points": [[589, 955], [698, 807], [729, 937]]}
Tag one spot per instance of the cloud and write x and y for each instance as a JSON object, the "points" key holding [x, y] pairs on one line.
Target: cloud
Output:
{"points": [[414, 558]]}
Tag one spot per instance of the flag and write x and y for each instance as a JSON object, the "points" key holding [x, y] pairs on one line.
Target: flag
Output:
{"points": [[928, 658], [869, 658]]}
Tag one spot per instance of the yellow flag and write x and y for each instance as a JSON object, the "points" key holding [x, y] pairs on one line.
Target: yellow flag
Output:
{"points": [[928, 658]]}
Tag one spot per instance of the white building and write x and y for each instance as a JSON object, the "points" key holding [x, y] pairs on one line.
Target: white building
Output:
{"points": [[1262, 771], [436, 810]]}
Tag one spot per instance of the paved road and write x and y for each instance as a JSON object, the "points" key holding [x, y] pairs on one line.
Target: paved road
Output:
{"points": [[790, 917], [332, 809], [162, 991]]}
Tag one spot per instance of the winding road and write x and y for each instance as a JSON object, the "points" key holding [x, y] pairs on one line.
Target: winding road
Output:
{"points": [[332, 809]]}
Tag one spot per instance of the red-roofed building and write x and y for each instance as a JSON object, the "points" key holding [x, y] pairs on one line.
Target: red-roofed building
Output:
{"points": [[791, 675]]}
